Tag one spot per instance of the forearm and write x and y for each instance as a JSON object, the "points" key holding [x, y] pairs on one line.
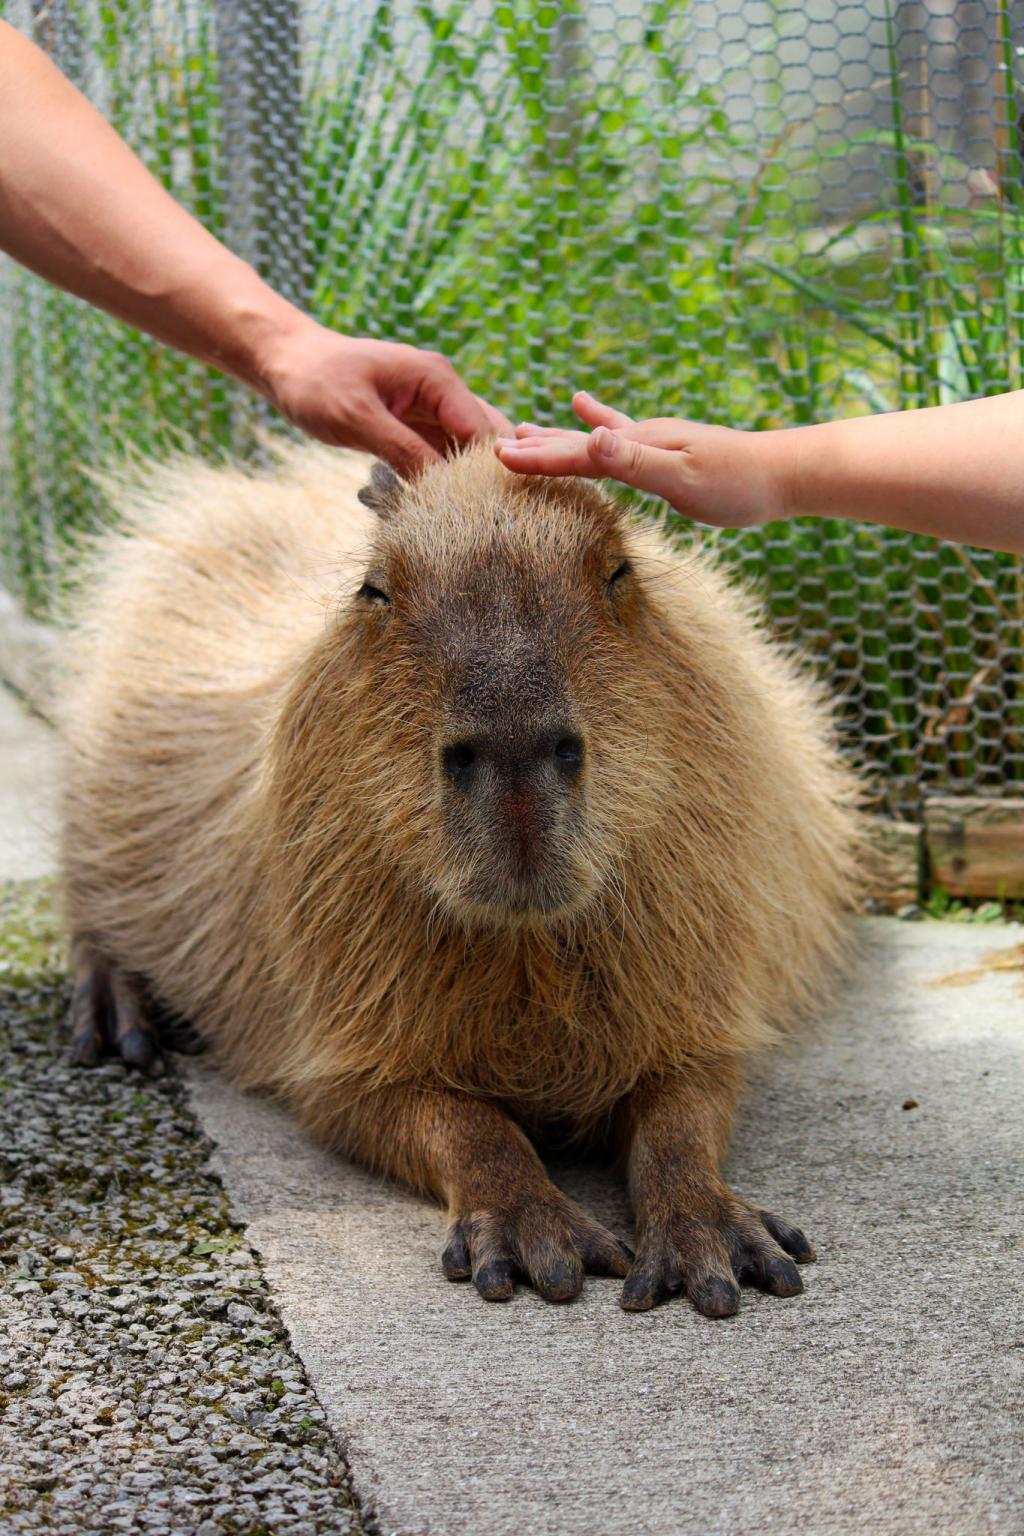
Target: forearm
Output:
{"points": [[952, 471], [78, 208]]}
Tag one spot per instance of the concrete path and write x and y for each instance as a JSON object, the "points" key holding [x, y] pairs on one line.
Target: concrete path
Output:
{"points": [[888, 1398], [28, 820]]}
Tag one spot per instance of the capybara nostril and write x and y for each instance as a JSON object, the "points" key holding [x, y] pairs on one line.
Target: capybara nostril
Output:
{"points": [[458, 761], [569, 755]]}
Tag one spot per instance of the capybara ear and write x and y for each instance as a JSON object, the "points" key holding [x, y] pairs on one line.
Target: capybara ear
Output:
{"points": [[384, 491]]}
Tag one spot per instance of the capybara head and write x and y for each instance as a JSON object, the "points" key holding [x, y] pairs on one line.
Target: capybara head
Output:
{"points": [[502, 727]]}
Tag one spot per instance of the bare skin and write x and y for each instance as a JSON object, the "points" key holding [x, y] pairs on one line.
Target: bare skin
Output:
{"points": [[952, 471], [78, 208], [507, 1221]]}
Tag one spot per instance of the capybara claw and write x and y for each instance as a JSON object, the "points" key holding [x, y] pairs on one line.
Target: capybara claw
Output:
{"points": [[708, 1258], [545, 1240], [789, 1238]]}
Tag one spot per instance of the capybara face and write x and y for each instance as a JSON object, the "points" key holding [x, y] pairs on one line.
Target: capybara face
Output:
{"points": [[505, 619]]}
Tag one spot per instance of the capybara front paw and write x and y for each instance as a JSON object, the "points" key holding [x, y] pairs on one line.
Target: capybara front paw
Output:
{"points": [[708, 1257], [545, 1239]]}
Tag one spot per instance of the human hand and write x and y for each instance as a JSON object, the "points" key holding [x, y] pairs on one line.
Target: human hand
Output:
{"points": [[406, 405], [713, 474]]}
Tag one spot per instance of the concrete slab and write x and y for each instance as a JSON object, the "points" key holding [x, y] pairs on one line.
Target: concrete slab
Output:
{"points": [[888, 1398], [28, 813]]}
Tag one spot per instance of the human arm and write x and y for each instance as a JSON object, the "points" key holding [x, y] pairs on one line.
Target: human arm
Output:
{"points": [[952, 471], [78, 208]]}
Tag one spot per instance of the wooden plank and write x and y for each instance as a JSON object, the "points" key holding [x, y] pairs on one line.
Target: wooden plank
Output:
{"points": [[893, 863], [975, 845]]}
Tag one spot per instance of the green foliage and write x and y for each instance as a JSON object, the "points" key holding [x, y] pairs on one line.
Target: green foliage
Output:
{"points": [[942, 907], [553, 204]]}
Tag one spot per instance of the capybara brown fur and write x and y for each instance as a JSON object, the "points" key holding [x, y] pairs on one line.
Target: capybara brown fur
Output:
{"points": [[460, 814]]}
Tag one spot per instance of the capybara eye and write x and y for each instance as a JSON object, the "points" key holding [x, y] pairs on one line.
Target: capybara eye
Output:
{"points": [[372, 594], [569, 751], [458, 760], [617, 575]]}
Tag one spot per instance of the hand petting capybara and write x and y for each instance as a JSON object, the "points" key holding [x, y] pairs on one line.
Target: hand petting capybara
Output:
{"points": [[455, 812]]}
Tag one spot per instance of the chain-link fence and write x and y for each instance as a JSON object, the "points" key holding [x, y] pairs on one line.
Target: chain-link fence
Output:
{"points": [[752, 212]]}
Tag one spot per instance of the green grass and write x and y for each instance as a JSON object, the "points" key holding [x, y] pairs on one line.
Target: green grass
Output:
{"points": [[474, 183]]}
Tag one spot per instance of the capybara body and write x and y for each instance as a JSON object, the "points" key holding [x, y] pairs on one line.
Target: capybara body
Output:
{"points": [[471, 811]]}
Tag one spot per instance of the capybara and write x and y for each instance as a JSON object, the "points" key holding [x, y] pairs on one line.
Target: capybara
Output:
{"points": [[456, 813]]}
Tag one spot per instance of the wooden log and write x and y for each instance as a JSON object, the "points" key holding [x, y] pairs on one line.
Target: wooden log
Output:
{"points": [[975, 845], [894, 862]]}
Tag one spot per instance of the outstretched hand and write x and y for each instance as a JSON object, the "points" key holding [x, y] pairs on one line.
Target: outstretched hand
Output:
{"points": [[713, 474], [405, 405]]}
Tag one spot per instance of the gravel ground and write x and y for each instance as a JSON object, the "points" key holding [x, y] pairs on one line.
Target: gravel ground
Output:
{"points": [[146, 1383]]}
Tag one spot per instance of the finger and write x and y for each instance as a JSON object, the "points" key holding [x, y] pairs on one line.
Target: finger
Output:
{"points": [[546, 437], [88, 1016], [499, 423], [714, 1296], [603, 1254], [133, 1031], [454, 407], [405, 450], [597, 415], [565, 455], [432, 436], [492, 1264], [546, 1254], [455, 1259], [635, 463], [557, 1276], [646, 1284], [495, 1280], [774, 1273], [789, 1238], [531, 429], [758, 1260]]}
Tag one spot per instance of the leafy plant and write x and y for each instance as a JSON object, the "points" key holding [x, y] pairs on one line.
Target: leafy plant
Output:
{"points": [[552, 204]]}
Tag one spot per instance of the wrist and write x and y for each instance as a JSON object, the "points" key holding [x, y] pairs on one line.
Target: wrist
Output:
{"points": [[255, 332], [775, 469]]}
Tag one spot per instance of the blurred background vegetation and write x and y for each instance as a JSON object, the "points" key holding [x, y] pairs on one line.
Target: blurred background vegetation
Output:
{"points": [[740, 211]]}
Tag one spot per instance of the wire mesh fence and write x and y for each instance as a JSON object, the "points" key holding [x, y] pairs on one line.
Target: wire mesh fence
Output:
{"points": [[744, 211]]}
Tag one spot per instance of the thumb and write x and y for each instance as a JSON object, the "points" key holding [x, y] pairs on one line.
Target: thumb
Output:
{"points": [[390, 439], [634, 463]]}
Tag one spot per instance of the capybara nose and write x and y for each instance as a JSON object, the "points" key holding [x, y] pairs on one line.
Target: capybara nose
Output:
{"points": [[556, 749]]}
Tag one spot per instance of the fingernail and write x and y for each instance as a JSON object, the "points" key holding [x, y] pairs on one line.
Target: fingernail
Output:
{"points": [[505, 442], [606, 444]]}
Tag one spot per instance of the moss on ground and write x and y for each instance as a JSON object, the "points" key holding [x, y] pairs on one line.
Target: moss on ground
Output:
{"points": [[144, 1366]]}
